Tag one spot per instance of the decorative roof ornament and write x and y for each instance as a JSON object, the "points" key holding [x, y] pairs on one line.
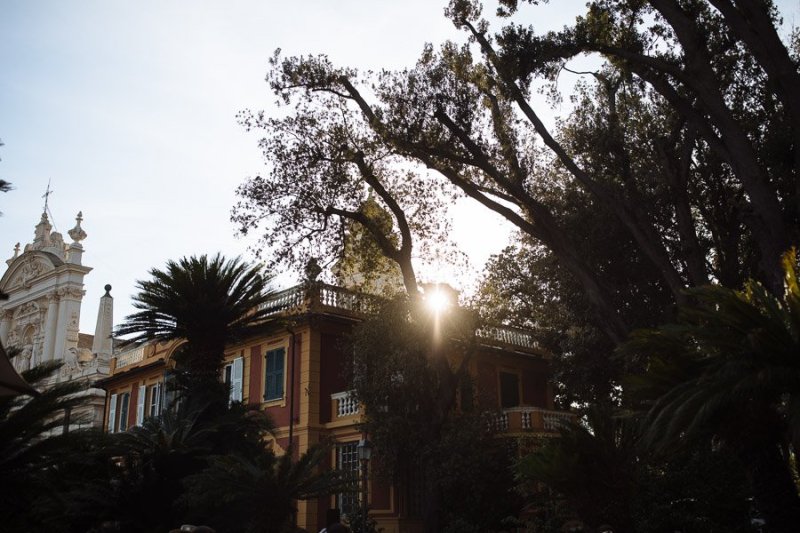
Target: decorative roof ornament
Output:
{"points": [[77, 234], [41, 237]]}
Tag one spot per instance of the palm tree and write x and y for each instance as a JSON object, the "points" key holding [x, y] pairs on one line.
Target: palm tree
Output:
{"points": [[730, 370], [146, 467], [593, 465], [209, 302], [28, 446], [256, 493]]}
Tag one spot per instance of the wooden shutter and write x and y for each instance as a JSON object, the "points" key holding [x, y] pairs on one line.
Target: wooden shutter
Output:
{"points": [[236, 379], [140, 404], [112, 413], [123, 411], [273, 374], [157, 393]]}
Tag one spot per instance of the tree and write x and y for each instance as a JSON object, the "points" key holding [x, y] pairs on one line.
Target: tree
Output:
{"points": [[325, 165], [256, 493], [604, 476], [210, 303], [409, 367], [695, 57], [658, 151], [728, 370], [30, 444]]}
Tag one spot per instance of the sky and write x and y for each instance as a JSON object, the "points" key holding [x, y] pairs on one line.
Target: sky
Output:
{"points": [[129, 110]]}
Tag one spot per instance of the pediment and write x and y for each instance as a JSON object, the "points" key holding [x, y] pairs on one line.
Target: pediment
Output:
{"points": [[27, 269]]}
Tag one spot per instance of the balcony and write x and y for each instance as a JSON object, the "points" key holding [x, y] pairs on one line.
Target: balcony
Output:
{"points": [[528, 419], [337, 300], [344, 405]]}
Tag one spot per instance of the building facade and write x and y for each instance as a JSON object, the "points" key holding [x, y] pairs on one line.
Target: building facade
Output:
{"points": [[296, 375], [41, 317]]}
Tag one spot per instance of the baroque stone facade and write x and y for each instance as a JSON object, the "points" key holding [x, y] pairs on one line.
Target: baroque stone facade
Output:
{"points": [[41, 317]]}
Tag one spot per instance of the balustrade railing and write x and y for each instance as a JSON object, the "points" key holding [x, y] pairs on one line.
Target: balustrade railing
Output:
{"points": [[553, 420], [529, 419], [292, 298], [497, 422], [345, 404], [130, 357], [339, 298], [508, 335], [302, 298]]}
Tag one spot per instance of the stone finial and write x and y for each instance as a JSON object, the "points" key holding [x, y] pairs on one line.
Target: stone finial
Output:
{"points": [[13, 258], [312, 270], [77, 234], [41, 237]]}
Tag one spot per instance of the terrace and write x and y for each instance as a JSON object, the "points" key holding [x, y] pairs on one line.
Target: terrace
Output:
{"points": [[331, 299]]}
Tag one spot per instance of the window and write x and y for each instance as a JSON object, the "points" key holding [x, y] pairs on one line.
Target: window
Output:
{"points": [[347, 461], [124, 400], [112, 413], [154, 397], [140, 401], [273, 374], [509, 390], [232, 374]]}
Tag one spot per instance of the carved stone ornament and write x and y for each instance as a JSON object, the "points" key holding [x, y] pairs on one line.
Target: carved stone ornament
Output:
{"points": [[77, 234], [70, 292], [31, 269], [70, 361]]}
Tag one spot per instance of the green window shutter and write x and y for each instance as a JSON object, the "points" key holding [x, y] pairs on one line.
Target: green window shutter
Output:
{"points": [[124, 399], [273, 374]]}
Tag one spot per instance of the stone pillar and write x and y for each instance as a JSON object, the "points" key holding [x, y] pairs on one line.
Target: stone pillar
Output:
{"points": [[73, 304], [50, 328], [5, 324], [61, 325]]}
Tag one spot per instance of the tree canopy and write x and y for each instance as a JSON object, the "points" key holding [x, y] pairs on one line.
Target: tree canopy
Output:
{"points": [[691, 153]]}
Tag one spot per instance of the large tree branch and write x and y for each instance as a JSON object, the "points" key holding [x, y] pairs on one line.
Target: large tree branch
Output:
{"points": [[630, 214]]}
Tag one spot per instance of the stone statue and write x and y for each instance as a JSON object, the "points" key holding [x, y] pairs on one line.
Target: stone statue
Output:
{"points": [[25, 358], [70, 359]]}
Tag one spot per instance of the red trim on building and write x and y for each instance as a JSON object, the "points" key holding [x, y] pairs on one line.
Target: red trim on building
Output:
{"points": [[254, 391]]}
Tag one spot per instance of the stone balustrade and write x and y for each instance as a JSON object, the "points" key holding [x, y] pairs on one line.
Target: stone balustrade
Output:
{"points": [[526, 419], [324, 297], [130, 357], [344, 404]]}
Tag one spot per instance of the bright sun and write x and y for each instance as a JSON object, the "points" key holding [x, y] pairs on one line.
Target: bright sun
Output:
{"points": [[437, 301]]}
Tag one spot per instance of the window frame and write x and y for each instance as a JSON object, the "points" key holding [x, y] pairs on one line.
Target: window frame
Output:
{"points": [[347, 501], [123, 410], [141, 400], [155, 390], [111, 426], [277, 395], [229, 378]]}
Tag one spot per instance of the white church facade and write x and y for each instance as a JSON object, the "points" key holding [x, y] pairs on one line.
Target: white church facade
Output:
{"points": [[41, 317]]}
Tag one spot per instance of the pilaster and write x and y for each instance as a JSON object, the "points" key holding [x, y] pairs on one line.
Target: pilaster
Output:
{"points": [[5, 324], [50, 328]]}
